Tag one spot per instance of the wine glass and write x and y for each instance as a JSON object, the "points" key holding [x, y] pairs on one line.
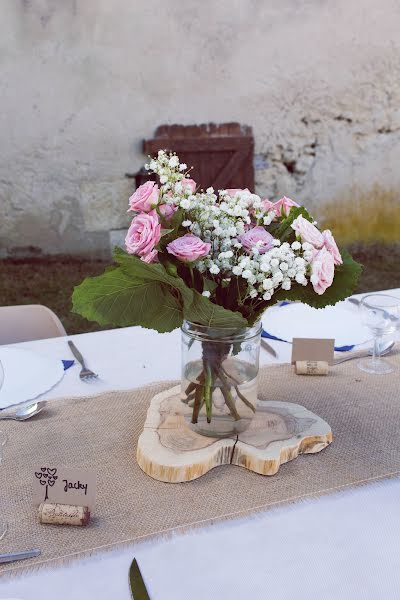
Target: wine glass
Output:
{"points": [[381, 313]]}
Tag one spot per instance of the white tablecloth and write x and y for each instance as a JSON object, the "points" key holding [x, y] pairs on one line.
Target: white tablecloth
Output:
{"points": [[343, 547]]}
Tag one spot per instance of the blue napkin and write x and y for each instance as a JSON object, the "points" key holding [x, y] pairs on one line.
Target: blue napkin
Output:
{"points": [[67, 364], [269, 336]]}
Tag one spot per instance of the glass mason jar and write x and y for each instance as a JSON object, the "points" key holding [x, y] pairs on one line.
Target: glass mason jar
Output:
{"points": [[219, 377]]}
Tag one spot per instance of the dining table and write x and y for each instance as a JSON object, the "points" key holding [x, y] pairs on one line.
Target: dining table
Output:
{"points": [[340, 546]]}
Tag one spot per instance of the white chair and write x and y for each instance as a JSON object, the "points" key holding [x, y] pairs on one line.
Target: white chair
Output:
{"points": [[28, 322]]}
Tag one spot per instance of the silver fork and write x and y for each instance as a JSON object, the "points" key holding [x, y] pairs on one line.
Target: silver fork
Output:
{"points": [[85, 374]]}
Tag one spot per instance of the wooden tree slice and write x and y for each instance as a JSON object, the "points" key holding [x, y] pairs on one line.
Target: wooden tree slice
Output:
{"points": [[168, 450]]}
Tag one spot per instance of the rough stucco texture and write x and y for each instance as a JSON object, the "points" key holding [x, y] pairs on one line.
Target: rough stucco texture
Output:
{"points": [[83, 82]]}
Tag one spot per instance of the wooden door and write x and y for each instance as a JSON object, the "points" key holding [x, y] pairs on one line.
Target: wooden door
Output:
{"points": [[221, 155]]}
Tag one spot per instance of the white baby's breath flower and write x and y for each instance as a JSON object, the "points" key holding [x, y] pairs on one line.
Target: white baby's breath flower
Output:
{"points": [[186, 223], [277, 242], [296, 245], [286, 284], [236, 270], [185, 203], [206, 293], [178, 187], [253, 294], [214, 269], [246, 274], [267, 284], [183, 167], [210, 190], [163, 179], [307, 246], [301, 279], [173, 161]]}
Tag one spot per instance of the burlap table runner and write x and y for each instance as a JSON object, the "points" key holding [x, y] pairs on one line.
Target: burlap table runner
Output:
{"points": [[101, 433]]}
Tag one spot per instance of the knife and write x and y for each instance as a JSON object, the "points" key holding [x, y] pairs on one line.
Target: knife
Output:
{"points": [[6, 558], [136, 583], [269, 348]]}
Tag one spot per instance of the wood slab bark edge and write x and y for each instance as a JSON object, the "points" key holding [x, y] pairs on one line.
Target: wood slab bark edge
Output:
{"points": [[168, 450]]}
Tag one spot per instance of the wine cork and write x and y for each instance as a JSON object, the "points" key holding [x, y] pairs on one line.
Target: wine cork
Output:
{"points": [[63, 514], [312, 367]]}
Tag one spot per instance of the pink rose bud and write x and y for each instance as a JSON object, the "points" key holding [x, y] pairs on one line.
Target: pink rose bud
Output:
{"points": [[189, 248], [233, 191], [257, 237], [282, 207], [145, 197], [143, 234], [331, 246], [167, 211], [322, 271], [308, 232], [189, 185]]}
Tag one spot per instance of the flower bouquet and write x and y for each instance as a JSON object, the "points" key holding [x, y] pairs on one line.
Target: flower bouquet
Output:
{"points": [[213, 261]]}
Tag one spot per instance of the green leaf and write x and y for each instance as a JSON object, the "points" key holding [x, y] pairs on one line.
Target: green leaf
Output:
{"points": [[165, 232], [344, 284], [209, 285], [204, 312], [137, 293], [138, 269], [115, 298]]}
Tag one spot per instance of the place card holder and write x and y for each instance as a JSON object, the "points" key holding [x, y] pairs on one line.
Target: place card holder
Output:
{"points": [[63, 514], [312, 356], [311, 367]]}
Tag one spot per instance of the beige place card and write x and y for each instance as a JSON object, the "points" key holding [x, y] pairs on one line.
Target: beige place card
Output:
{"points": [[64, 485], [313, 349]]}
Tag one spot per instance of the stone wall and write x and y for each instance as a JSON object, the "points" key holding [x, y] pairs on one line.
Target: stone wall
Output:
{"points": [[84, 81]]}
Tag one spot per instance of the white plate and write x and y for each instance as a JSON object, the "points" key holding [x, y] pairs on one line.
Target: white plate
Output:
{"points": [[27, 374], [300, 320]]}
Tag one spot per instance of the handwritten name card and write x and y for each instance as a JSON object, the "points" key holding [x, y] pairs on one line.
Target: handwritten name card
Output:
{"points": [[62, 485]]}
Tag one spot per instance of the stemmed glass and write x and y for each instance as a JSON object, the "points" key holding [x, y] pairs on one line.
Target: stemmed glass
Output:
{"points": [[381, 313], [3, 440]]}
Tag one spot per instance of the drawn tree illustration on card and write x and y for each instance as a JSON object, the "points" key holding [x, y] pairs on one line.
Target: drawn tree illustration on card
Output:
{"points": [[47, 477]]}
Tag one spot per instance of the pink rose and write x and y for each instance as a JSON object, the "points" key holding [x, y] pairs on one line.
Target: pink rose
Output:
{"points": [[331, 246], [189, 185], [167, 211], [233, 191], [258, 238], [189, 248], [145, 197], [143, 234], [282, 207], [267, 205], [308, 232], [322, 271], [151, 257]]}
